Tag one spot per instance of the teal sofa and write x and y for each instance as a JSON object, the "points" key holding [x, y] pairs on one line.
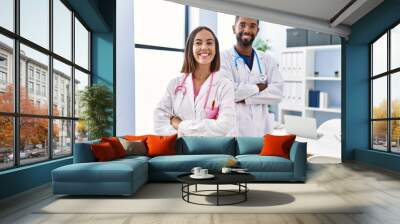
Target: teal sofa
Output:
{"points": [[125, 176]]}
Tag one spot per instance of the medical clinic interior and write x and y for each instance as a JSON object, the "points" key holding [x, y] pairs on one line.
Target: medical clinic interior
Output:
{"points": [[199, 111]]}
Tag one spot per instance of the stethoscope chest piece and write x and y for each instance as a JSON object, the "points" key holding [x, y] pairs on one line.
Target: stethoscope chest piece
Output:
{"points": [[262, 77]]}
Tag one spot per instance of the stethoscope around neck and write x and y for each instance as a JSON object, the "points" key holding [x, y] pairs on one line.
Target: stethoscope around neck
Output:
{"points": [[261, 77], [182, 87]]}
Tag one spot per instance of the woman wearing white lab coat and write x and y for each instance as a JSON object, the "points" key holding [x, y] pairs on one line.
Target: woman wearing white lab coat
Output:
{"points": [[199, 102]]}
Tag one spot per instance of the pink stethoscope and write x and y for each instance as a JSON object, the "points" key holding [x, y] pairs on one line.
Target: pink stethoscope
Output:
{"points": [[182, 87]]}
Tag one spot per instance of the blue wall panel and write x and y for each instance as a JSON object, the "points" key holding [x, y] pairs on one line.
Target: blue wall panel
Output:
{"points": [[103, 61], [356, 84], [102, 58], [24, 178]]}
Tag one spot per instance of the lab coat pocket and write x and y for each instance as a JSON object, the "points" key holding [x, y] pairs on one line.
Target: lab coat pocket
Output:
{"points": [[212, 113]]}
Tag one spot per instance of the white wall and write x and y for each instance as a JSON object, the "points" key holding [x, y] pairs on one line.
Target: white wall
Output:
{"points": [[125, 77], [276, 34]]}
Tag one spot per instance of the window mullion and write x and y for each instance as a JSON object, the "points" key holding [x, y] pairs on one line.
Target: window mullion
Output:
{"points": [[389, 106], [73, 82], [16, 83]]}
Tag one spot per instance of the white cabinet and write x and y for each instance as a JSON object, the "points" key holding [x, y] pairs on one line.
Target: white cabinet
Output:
{"points": [[311, 68]]}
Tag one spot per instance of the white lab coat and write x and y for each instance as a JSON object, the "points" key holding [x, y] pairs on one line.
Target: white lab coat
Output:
{"points": [[252, 116], [194, 120]]}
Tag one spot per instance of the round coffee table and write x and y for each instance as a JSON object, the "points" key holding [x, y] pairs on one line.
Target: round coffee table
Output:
{"points": [[238, 179]]}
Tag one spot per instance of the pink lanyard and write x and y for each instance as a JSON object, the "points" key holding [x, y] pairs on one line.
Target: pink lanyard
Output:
{"points": [[181, 87]]}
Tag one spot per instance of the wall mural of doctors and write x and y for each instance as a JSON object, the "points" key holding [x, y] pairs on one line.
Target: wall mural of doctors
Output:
{"points": [[200, 102], [256, 79]]}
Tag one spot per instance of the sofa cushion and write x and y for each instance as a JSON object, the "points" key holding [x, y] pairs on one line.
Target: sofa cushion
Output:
{"points": [[103, 152], [83, 152], [134, 147], [185, 163], [277, 145], [257, 163], [195, 145], [249, 145], [117, 146], [161, 145], [112, 171]]}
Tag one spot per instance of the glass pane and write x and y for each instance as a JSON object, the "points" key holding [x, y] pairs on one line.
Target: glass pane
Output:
{"points": [[147, 92], [81, 131], [62, 138], [395, 136], [33, 139], [81, 45], [395, 94], [6, 74], [225, 23], [169, 31], [395, 47], [81, 81], [379, 55], [194, 18], [379, 135], [62, 29], [62, 89], [35, 21], [34, 82], [379, 98], [7, 14], [6, 142]]}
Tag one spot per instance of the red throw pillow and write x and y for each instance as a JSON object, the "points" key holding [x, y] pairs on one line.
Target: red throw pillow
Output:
{"points": [[116, 145], [161, 145], [277, 145], [103, 152]]}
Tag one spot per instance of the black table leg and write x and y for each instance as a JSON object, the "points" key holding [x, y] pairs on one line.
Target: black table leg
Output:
{"points": [[217, 194], [245, 193]]}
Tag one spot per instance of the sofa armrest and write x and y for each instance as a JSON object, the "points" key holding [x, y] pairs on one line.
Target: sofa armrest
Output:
{"points": [[298, 155], [83, 152]]}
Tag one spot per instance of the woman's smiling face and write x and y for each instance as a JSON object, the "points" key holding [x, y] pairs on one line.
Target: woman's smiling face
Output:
{"points": [[204, 47]]}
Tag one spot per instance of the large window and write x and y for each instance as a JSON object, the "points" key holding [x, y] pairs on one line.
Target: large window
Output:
{"points": [[385, 94], [40, 80], [159, 46]]}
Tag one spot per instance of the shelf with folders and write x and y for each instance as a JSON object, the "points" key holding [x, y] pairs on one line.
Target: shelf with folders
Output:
{"points": [[330, 110], [311, 78], [310, 68]]}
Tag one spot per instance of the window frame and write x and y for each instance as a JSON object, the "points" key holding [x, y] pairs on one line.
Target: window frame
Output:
{"points": [[16, 114], [388, 74], [168, 49]]}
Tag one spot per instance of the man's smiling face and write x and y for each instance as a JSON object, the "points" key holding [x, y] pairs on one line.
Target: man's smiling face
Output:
{"points": [[246, 30]]}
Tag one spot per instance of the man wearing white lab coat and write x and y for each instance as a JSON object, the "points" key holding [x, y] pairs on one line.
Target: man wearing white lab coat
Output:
{"points": [[256, 79]]}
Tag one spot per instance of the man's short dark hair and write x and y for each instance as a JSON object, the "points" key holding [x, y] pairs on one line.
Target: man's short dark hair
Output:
{"points": [[237, 18]]}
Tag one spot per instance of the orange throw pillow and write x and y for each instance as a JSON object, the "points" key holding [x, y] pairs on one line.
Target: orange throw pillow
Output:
{"points": [[277, 145], [161, 145], [116, 145], [136, 138], [103, 152]]}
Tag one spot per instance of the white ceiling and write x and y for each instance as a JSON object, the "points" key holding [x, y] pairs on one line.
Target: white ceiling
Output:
{"points": [[319, 9], [314, 15]]}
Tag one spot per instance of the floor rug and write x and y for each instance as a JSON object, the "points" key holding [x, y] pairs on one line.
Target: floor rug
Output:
{"points": [[167, 198]]}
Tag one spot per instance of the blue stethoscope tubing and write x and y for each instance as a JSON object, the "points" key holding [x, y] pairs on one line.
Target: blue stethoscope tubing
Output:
{"points": [[262, 77]]}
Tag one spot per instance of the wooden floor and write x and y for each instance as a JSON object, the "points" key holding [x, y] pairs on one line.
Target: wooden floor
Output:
{"points": [[378, 189]]}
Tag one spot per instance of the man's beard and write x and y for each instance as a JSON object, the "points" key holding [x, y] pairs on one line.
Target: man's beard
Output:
{"points": [[245, 43]]}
